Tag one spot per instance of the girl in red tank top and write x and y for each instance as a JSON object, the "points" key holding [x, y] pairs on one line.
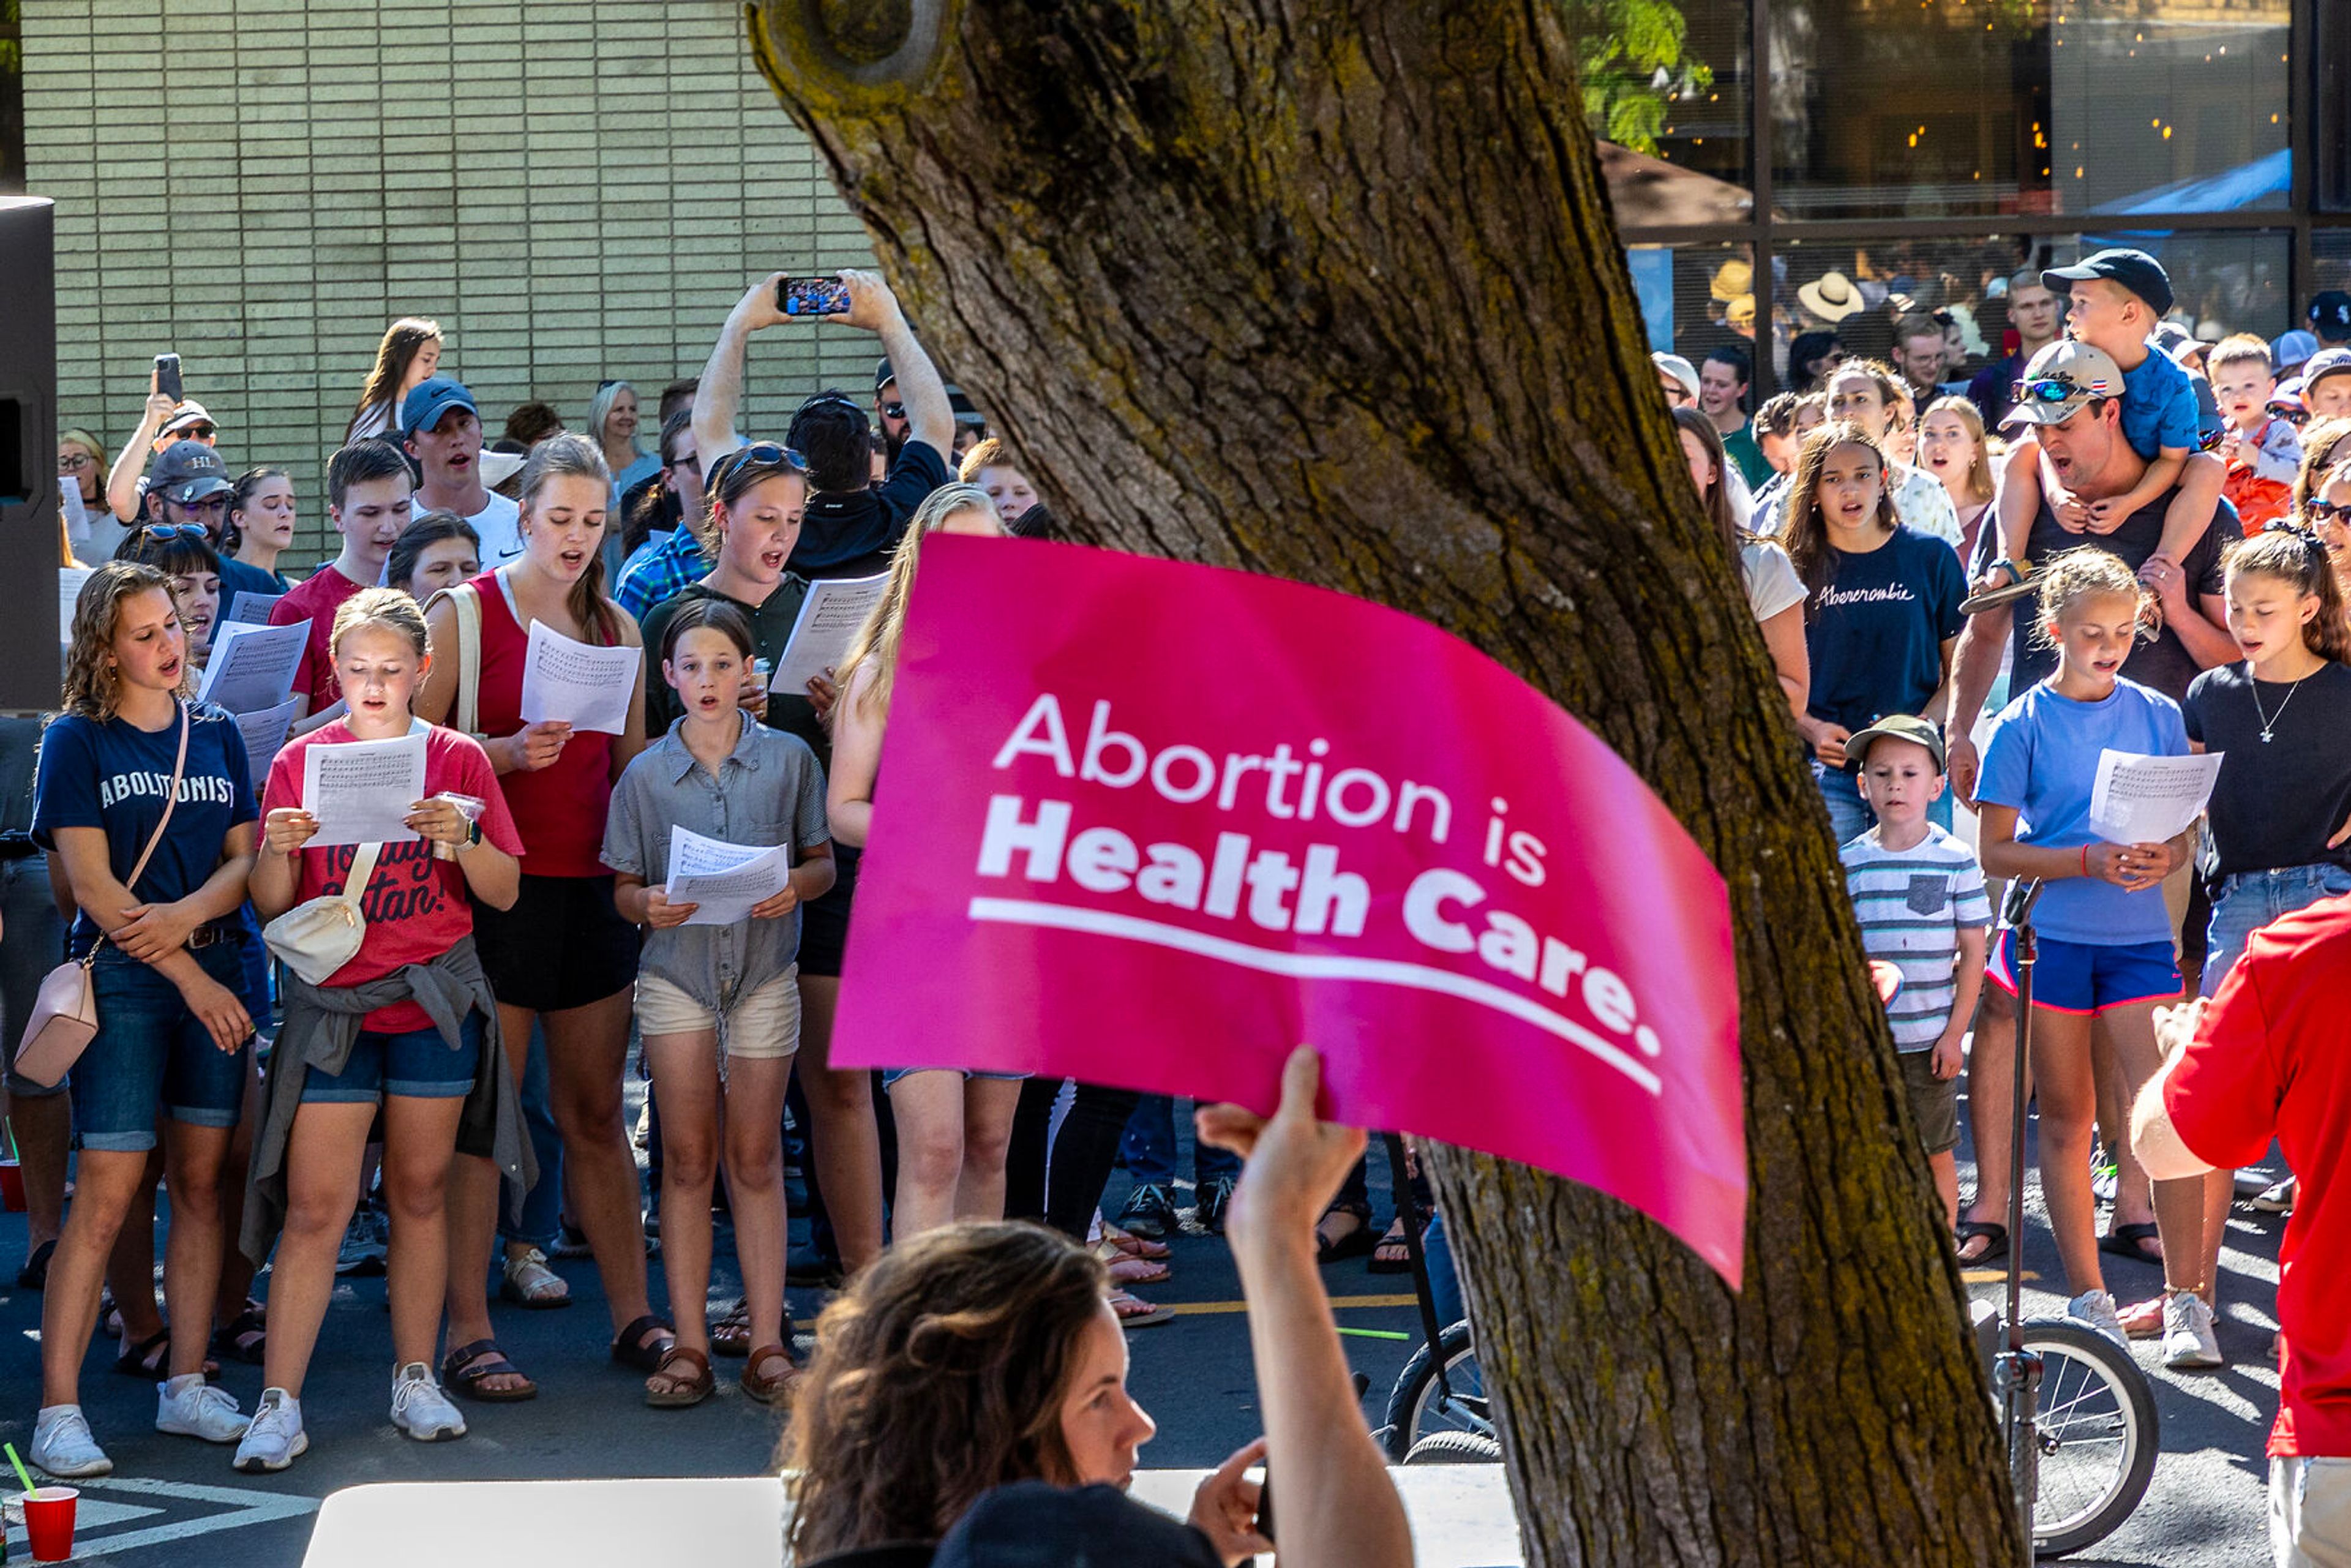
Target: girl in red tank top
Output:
{"points": [[562, 957]]}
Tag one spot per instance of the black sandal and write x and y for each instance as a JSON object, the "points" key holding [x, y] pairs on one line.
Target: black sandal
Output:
{"points": [[2130, 1241], [466, 1367], [1354, 1244], [149, 1359], [35, 1274], [245, 1337], [1969, 1231], [629, 1349]]}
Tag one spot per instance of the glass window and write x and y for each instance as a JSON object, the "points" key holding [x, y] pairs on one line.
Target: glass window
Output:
{"points": [[1695, 298], [1865, 292], [1955, 108], [1664, 91]]}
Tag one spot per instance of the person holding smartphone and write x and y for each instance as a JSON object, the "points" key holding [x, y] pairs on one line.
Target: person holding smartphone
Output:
{"points": [[171, 415]]}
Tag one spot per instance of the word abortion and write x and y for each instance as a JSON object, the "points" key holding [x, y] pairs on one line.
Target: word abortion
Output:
{"points": [[1444, 910]]}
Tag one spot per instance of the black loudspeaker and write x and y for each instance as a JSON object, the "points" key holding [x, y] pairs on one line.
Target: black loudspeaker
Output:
{"points": [[31, 643]]}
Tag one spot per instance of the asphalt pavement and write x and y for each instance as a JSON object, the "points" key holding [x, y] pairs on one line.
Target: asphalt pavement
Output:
{"points": [[174, 1500]]}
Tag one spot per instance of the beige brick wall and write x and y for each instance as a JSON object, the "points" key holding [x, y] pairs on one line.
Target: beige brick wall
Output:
{"points": [[575, 189]]}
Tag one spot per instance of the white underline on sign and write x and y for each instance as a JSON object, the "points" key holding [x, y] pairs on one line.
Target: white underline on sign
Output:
{"points": [[1311, 966]]}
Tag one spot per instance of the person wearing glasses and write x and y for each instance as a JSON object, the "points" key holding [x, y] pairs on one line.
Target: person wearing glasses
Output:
{"points": [[167, 421], [665, 535], [81, 459]]}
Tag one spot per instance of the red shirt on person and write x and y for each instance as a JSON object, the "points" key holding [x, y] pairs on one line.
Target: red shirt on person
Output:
{"points": [[417, 905], [316, 599], [2273, 1059], [562, 806]]}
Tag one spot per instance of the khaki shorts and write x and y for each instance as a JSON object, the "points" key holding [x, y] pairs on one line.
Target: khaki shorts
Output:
{"points": [[2310, 1512], [764, 1024], [1933, 1101]]}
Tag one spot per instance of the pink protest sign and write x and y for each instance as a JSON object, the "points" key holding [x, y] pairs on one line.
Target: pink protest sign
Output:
{"points": [[1152, 824]]}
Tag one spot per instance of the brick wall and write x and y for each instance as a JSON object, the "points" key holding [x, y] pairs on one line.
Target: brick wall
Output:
{"points": [[575, 189]]}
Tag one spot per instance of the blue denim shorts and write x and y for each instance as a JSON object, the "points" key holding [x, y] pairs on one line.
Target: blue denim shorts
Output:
{"points": [[2249, 900], [151, 1057], [2088, 979], [418, 1064], [890, 1075]]}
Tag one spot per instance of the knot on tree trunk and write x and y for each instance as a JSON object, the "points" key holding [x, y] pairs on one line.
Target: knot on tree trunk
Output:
{"points": [[846, 45]]}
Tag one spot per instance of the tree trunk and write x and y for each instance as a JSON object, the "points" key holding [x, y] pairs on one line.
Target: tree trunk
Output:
{"points": [[1333, 292]]}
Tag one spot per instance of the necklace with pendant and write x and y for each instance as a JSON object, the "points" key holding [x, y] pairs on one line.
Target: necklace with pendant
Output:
{"points": [[2269, 722]]}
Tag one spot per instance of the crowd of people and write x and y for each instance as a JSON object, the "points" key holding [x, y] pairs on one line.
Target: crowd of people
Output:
{"points": [[2140, 538], [2120, 538]]}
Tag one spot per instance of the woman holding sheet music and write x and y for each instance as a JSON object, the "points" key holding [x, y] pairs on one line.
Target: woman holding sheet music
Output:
{"points": [[719, 1004], [340, 1059], [758, 496], [147, 801], [563, 955]]}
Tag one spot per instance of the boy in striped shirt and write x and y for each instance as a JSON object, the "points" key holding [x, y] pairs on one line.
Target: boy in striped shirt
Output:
{"points": [[1920, 897]]}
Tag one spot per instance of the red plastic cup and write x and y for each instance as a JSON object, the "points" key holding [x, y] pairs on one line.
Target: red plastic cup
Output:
{"points": [[12, 1186], [49, 1523]]}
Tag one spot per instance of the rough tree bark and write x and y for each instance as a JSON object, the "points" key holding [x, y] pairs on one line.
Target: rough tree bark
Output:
{"points": [[1332, 291]]}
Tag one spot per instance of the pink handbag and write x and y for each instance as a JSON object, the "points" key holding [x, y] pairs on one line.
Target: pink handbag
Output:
{"points": [[65, 1013]]}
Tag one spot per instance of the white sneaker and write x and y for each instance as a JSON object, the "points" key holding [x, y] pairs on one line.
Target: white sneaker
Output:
{"points": [[2187, 1339], [2096, 1309], [188, 1406], [2277, 1199], [419, 1407], [63, 1446], [275, 1438]]}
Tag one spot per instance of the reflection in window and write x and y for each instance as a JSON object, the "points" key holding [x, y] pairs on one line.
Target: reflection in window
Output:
{"points": [[1941, 107]]}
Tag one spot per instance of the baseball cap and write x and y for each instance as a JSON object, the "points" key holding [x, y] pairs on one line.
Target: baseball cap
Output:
{"points": [[189, 413], [2287, 398], [2176, 341], [2133, 269], [2325, 362], [2330, 313], [884, 375], [2063, 379], [2292, 348], [1897, 727], [428, 400], [188, 471], [1681, 369]]}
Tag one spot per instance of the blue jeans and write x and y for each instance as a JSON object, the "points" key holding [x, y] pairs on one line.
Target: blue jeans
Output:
{"points": [[1444, 1280], [1849, 814], [151, 1057], [2249, 900], [542, 1206], [1149, 1147]]}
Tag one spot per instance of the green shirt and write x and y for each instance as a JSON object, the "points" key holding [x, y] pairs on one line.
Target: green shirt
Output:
{"points": [[771, 628], [1741, 448]]}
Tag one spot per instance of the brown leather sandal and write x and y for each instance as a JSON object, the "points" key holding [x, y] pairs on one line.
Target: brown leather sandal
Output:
{"points": [[776, 1389], [690, 1387]]}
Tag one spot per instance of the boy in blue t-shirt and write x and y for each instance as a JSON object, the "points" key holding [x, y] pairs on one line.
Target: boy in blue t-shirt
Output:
{"points": [[1920, 897], [2118, 298]]}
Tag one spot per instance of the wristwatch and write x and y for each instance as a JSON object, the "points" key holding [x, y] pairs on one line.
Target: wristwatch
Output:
{"points": [[472, 837]]}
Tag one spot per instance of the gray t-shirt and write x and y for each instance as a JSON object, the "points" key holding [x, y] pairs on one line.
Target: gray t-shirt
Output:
{"points": [[769, 790]]}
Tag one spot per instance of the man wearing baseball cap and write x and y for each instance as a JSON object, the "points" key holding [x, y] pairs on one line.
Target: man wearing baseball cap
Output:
{"points": [[166, 420], [444, 436], [189, 487]]}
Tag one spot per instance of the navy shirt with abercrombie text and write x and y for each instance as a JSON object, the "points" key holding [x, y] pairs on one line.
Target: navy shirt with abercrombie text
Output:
{"points": [[1876, 630], [850, 533], [110, 774]]}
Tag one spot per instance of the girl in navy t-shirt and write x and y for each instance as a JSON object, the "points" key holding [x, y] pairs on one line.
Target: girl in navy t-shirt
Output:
{"points": [[1882, 615], [172, 1034]]}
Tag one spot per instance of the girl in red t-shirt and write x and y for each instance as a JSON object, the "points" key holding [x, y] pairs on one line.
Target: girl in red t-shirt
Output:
{"points": [[418, 904], [562, 957]]}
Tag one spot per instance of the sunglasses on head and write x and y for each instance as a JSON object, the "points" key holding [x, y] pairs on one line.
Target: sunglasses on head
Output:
{"points": [[760, 454], [2056, 389], [169, 532]]}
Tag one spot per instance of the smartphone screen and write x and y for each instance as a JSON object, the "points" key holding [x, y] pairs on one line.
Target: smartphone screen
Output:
{"points": [[167, 376], [812, 296]]}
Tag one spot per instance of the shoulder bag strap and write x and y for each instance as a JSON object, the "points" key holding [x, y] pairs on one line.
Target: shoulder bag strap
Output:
{"points": [[362, 868], [171, 799], [467, 601]]}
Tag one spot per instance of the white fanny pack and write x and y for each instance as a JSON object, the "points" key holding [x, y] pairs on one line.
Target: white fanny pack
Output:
{"points": [[319, 935]]}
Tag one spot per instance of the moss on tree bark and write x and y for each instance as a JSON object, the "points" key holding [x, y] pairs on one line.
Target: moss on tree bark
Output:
{"points": [[1333, 292]]}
